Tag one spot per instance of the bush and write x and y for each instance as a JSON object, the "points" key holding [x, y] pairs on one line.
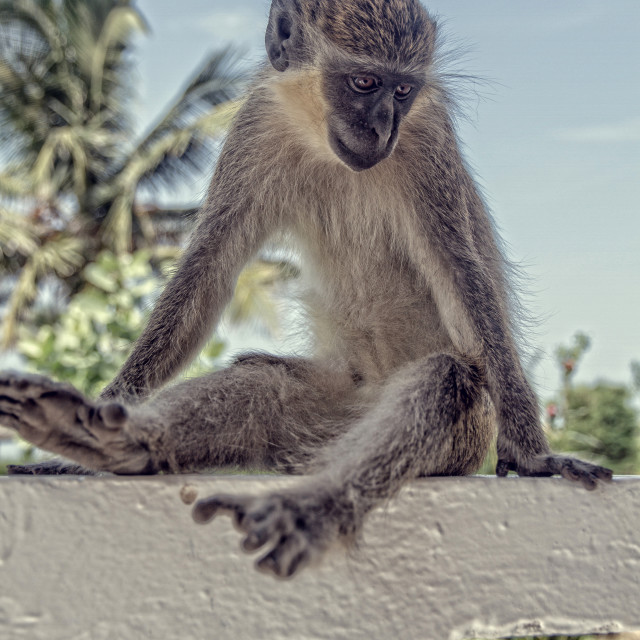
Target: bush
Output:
{"points": [[89, 341], [601, 424]]}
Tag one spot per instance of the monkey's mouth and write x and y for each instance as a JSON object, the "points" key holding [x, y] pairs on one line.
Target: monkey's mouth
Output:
{"points": [[355, 161]]}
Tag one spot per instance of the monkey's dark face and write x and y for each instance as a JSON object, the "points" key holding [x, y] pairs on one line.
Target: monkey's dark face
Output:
{"points": [[366, 109]]}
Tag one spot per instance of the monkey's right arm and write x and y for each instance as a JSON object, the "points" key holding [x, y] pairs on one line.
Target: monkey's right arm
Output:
{"points": [[228, 233], [468, 286]]}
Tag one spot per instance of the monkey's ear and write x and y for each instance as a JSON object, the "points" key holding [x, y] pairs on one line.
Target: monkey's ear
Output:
{"points": [[280, 37]]}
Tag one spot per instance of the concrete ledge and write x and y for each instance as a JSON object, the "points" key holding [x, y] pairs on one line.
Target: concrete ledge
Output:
{"points": [[451, 558]]}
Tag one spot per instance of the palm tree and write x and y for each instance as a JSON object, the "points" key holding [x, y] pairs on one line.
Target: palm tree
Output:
{"points": [[72, 166]]}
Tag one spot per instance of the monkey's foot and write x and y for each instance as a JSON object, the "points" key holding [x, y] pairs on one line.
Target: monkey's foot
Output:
{"points": [[296, 527], [553, 464], [58, 418], [49, 468]]}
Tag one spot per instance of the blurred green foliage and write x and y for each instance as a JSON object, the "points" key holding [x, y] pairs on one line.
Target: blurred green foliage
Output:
{"points": [[89, 341], [597, 420], [76, 176], [600, 424]]}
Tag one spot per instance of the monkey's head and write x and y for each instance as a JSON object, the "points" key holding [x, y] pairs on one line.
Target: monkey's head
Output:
{"points": [[374, 57]]}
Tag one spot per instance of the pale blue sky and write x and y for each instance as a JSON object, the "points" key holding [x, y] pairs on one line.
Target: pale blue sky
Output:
{"points": [[553, 136]]}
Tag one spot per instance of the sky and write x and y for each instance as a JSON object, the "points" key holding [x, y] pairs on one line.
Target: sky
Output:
{"points": [[551, 129]]}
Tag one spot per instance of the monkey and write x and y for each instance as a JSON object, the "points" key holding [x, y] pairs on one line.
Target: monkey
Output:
{"points": [[346, 145]]}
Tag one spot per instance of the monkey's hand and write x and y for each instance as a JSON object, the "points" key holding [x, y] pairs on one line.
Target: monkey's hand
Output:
{"points": [[550, 464], [58, 418], [296, 527]]}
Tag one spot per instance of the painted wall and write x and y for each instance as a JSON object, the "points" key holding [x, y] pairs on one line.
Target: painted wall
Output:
{"points": [[120, 558]]}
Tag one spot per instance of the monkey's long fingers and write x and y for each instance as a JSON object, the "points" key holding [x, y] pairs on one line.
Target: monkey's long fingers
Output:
{"points": [[264, 524], [207, 509], [584, 472], [8, 417], [291, 554], [267, 522], [569, 468]]}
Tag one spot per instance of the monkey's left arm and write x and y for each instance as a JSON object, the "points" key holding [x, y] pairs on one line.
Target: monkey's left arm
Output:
{"points": [[472, 302]]}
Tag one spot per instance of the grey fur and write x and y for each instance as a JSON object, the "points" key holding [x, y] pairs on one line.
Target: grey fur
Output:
{"points": [[414, 356]]}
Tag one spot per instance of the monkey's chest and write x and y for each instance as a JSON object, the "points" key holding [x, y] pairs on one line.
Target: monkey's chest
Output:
{"points": [[366, 298]]}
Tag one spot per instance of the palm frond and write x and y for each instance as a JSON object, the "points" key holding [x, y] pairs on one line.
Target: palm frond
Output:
{"points": [[116, 33], [214, 84], [65, 64], [118, 225], [65, 144], [216, 81], [62, 255], [163, 158], [15, 184], [16, 235], [40, 15], [66, 129], [145, 165]]}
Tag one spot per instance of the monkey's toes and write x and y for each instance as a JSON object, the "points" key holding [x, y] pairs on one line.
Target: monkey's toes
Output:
{"points": [[585, 472], [291, 554], [58, 418], [289, 529], [34, 405], [207, 509], [573, 469], [21, 387], [295, 532], [503, 467]]}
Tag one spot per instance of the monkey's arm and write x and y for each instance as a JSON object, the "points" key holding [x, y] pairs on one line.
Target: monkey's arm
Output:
{"points": [[468, 287], [228, 233]]}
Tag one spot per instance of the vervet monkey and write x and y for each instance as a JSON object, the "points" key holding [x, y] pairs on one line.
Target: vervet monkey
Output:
{"points": [[346, 144]]}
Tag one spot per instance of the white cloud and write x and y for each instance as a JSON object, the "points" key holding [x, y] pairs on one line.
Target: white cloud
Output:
{"points": [[623, 131]]}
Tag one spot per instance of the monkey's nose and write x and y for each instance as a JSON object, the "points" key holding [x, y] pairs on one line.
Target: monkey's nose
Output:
{"points": [[382, 119], [382, 127]]}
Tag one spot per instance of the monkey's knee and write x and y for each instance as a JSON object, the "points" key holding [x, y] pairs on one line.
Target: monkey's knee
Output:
{"points": [[455, 414], [300, 368], [451, 386], [261, 359], [472, 437]]}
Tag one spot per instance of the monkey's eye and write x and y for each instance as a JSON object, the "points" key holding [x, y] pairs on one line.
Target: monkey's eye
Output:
{"points": [[363, 84], [403, 90]]}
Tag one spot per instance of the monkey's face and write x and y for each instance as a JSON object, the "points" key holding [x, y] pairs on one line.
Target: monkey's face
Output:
{"points": [[365, 112]]}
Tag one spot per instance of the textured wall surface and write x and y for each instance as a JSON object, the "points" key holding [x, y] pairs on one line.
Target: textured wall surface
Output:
{"points": [[451, 558]]}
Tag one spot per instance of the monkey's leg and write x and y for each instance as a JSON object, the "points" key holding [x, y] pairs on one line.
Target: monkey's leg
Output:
{"points": [[261, 412], [432, 419]]}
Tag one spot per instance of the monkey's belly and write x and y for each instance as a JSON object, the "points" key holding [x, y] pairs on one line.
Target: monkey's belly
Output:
{"points": [[376, 333]]}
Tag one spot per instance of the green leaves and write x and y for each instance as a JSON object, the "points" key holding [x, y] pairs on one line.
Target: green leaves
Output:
{"points": [[600, 422], [593, 420], [89, 341]]}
